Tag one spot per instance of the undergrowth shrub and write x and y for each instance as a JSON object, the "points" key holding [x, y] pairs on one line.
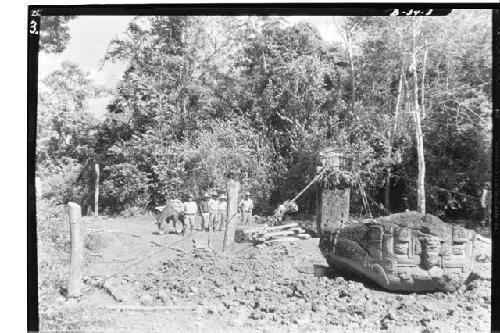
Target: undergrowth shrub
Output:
{"points": [[53, 255]]}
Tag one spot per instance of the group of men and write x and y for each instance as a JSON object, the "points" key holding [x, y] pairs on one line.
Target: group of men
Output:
{"points": [[213, 211]]}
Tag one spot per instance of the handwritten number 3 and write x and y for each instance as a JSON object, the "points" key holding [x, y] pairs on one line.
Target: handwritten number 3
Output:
{"points": [[33, 29]]}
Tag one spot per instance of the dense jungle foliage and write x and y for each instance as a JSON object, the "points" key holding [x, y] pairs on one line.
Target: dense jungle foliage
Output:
{"points": [[206, 99]]}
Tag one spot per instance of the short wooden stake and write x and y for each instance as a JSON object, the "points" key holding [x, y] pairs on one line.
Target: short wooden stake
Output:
{"points": [[77, 234]]}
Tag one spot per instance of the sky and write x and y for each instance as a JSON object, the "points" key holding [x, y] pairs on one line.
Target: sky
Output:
{"points": [[91, 35]]}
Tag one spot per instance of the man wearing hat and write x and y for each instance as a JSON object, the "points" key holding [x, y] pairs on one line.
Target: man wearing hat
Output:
{"points": [[205, 213], [213, 211], [486, 204], [190, 210], [222, 212], [246, 208]]}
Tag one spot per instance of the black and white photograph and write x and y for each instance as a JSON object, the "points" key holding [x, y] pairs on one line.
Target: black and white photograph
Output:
{"points": [[262, 171]]}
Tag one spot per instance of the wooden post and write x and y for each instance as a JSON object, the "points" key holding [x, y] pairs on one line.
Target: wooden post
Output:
{"points": [[96, 194], [76, 231], [233, 188]]}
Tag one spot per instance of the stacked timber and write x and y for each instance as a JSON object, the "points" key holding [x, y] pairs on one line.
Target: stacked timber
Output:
{"points": [[245, 233], [290, 232]]}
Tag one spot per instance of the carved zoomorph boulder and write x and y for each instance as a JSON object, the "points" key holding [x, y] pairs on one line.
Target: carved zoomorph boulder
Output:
{"points": [[406, 252]]}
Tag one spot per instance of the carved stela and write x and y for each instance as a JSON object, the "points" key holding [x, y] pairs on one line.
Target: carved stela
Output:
{"points": [[406, 252], [333, 208]]}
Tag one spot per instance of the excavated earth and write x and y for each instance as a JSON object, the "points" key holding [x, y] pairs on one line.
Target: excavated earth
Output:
{"points": [[265, 289], [285, 287]]}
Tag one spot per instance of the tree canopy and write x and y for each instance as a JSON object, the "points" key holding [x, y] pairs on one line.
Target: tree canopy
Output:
{"points": [[207, 99], [54, 33]]}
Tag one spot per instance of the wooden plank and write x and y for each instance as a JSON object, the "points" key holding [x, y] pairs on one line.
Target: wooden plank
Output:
{"points": [[281, 229], [297, 229], [284, 226], [302, 236], [282, 239], [279, 233], [291, 236]]}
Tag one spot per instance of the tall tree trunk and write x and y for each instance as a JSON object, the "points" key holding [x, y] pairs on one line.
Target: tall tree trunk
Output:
{"points": [[422, 89], [353, 73], [418, 128], [347, 37], [96, 193], [387, 189]]}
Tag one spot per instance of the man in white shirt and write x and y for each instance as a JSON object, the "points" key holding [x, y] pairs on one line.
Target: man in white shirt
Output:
{"points": [[213, 210], [246, 208], [190, 210], [486, 204], [222, 212], [205, 213]]}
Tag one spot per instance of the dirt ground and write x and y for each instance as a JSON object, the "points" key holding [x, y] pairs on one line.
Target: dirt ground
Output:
{"points": [[268, 289]]}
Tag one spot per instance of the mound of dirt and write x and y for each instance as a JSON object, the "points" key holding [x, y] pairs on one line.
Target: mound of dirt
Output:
{"points": [[264, 289]]}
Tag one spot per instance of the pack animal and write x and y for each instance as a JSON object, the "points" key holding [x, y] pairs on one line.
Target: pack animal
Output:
{"points": [[172, 213]]}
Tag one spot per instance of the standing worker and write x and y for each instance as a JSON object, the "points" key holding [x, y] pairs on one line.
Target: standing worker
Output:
{"points": [[213, 211], [246, 208], [486, 204], [190, 210], [205, 213], [222, 212]]}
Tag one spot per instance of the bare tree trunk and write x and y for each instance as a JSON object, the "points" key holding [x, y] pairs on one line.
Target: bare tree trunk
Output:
{"points": [[387, 189], [233, 188], [353, 82], [422, 89], [347, 37], [96, 194], [418, 128]]}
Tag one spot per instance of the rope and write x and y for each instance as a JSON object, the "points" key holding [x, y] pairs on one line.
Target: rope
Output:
{"points": [[308, 185], [377, 204], [165, 247], [229, 219], [433, 186], [363, 196]]}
